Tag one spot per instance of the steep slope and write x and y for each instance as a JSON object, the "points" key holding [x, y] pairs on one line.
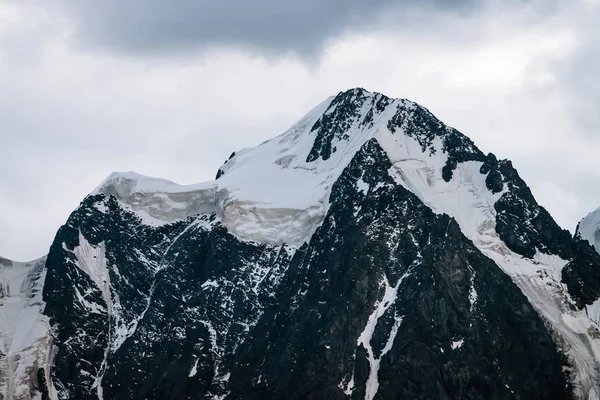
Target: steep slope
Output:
{"points": [[24, 331], [98, 285], [369, 251]]}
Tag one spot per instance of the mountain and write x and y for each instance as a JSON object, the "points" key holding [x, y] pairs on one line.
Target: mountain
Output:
{"points": [[370, 251]]}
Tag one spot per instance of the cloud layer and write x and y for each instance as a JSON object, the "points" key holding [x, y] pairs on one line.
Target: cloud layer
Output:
{"points": [[80, 103], [270, 26]]}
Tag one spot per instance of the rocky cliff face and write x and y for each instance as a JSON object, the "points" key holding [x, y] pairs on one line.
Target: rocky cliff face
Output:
{"points": [[369, 252]]}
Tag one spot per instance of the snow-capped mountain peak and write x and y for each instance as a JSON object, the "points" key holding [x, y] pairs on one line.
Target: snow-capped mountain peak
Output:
{"points": [[334, 260], [277, 192]]}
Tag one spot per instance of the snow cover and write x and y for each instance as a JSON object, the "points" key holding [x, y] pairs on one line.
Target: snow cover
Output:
{"points": [[381, 306], [25, 342], [268, 193], [589, 228]]}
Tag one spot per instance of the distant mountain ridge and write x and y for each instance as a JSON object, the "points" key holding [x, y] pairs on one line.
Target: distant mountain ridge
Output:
{"points": [[370, 251]]}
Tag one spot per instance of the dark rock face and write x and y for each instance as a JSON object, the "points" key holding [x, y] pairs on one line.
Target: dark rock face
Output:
{"points": [[336, 121], [220, 172], [582, 274], [387, 300], [84, 329], [523, 224]]}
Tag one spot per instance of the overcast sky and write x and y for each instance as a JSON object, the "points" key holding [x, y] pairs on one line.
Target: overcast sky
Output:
{"points": [[171, 88]]}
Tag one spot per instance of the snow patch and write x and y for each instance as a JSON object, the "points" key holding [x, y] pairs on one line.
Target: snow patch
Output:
{"points": [[366, 336], [362, 186], [194, 369], [589, 228], [457, 344]]}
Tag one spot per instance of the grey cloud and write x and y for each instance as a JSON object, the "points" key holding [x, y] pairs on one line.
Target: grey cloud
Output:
{"points": [[272, 26], [581, 81], [577, 71]]}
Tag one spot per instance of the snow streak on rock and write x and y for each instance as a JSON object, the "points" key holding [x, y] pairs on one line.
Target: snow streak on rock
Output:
{"points": [[389, 296], [92, 261]]}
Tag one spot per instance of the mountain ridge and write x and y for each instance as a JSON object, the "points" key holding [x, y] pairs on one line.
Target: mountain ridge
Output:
{"points": [[369, 251]]}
